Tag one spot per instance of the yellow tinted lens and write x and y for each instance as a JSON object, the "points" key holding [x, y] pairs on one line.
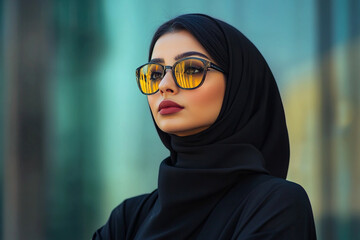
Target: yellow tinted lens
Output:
{"points": [[189, 73], [149, 78]]}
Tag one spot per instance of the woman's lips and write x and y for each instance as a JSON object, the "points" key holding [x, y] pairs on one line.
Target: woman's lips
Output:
{"points": [[169, 107]]}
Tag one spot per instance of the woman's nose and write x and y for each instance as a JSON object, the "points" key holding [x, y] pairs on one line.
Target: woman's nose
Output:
{"points": [[167, 84]]}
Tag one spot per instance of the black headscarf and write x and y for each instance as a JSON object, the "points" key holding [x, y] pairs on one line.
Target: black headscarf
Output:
{"points": [[249, 135]]}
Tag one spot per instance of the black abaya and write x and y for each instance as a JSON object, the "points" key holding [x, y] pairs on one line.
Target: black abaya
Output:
{"points": [[227, 182]]}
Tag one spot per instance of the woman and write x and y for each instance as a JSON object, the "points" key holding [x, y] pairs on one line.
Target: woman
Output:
{"points": [[217, 109]]}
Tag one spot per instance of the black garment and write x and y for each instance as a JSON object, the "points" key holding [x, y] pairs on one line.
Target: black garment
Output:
{"points": [[258, 206], [226, 182]]}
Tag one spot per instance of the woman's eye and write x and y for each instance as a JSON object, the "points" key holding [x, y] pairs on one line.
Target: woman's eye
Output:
{"points": [[193, 70], [155, 76]]}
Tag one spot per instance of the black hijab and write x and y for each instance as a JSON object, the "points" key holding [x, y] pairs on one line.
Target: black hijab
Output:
{"points": [[249, 135]]}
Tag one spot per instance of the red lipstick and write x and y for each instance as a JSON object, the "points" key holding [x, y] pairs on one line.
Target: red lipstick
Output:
{"points": [[169, 107]]}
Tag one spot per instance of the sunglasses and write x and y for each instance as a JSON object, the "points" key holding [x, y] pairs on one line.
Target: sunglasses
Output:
{"points": [[188, 73]]}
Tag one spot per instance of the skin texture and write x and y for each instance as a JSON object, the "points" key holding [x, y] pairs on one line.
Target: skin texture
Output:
{"points": [[201, 105]]}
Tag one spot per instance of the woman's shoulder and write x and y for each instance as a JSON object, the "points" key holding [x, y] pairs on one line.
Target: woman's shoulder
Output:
{"points": [[133, 205], [279, 207], [261, 187], [280, 189], [125, 218]]}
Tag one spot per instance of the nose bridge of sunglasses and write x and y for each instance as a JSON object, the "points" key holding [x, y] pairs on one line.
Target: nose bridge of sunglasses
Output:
{"points": [[167, 69], [168, 73]]}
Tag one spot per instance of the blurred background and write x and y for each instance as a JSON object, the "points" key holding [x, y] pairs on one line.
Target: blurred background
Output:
{"points": [[76, 134]]}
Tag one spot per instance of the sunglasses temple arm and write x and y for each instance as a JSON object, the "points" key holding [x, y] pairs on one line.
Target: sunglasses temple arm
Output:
{"points": [[216, 68]]}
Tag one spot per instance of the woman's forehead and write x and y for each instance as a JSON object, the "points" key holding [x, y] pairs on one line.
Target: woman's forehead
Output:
{"points": [[174, 44]]}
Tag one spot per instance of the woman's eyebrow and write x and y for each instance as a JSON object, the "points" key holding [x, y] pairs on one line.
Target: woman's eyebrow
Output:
{"points": [[180, 56], [191, 53], [157, 60]]}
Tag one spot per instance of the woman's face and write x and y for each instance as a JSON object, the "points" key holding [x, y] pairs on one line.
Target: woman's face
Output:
{"points": [[198, 108]]}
